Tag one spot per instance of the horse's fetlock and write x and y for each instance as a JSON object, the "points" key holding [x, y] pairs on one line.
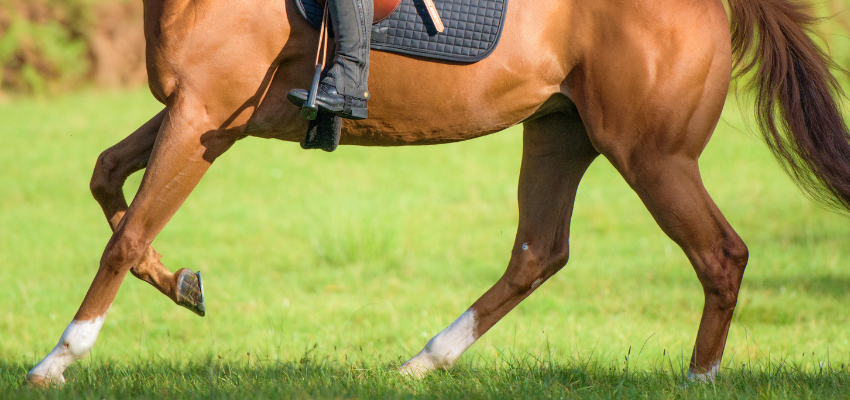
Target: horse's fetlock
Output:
{"points": [[152, 255]]}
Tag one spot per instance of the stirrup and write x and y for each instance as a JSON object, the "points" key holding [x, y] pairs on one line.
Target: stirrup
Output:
{"points": [[310, 109], [323, 133]]}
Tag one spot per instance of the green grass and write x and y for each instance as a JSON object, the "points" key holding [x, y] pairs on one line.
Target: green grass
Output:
{"points": [[524, 378], [324, 272]]}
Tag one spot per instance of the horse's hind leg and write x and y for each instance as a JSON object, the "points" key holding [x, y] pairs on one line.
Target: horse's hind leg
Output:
{"points": [[650, 101], [185, 147], [111, 171], [655, 144], [556, 153], [671, 188]]}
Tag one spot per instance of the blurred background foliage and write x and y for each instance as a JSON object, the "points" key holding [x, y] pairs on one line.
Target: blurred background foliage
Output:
{"points": [[48, 46]]}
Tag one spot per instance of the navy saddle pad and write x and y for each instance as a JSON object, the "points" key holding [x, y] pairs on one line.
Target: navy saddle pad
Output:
{"points": [[472, 29]]}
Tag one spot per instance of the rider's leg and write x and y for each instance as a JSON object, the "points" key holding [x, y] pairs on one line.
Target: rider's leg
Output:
{"points": [[344, 90], [350, 70]]}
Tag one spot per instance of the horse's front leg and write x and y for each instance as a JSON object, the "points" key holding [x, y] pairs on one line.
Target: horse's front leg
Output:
{"points": [[556, 153], [111, 171], [186, 145]]}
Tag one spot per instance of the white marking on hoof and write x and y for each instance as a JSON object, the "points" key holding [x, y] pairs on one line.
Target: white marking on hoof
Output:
{"points": [[704, 377], [444, 349], [76, 342]]}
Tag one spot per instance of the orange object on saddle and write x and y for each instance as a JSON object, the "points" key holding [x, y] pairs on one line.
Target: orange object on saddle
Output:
{"points": [[383, 9]]}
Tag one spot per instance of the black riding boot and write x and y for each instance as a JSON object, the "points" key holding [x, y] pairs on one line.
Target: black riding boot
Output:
{"points": [[343, 90]]}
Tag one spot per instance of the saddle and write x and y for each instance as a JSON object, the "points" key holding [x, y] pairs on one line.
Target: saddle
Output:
{"points": [[464, 31], [383, 8], [472, 27]]}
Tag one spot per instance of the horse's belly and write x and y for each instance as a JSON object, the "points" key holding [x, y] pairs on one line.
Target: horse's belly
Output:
{"points": [[381, 131], [419, 103]]}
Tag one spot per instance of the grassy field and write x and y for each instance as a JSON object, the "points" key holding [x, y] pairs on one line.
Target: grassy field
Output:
{"points": [[324, 272]]}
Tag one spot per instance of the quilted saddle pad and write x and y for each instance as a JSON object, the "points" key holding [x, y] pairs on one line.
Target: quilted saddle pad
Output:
{"points": [[473, 28]]}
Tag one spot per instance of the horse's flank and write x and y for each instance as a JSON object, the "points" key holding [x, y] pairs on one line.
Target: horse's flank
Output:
{"points": [[261, 50]]}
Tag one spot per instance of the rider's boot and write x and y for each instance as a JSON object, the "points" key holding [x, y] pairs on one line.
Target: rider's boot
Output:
{"points": [[343, 90]]}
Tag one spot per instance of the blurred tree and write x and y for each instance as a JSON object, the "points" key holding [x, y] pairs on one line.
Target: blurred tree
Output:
{"points": [[50, 45]]}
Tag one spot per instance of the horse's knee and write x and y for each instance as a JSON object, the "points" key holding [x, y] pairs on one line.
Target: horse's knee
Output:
{"points": [[124, 251], [722, 271]]}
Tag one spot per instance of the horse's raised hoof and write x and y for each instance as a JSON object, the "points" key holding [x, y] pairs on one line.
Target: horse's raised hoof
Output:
{"points": [[190, 291]]}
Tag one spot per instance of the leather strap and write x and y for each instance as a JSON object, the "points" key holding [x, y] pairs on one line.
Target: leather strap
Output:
{"points": [[323, 39]]}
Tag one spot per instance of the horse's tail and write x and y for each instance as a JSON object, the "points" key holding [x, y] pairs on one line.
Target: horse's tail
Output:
{"points": [[797, 97]]}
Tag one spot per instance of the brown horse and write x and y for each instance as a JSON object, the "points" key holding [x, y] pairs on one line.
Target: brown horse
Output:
{"points": [[640, 82]]}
